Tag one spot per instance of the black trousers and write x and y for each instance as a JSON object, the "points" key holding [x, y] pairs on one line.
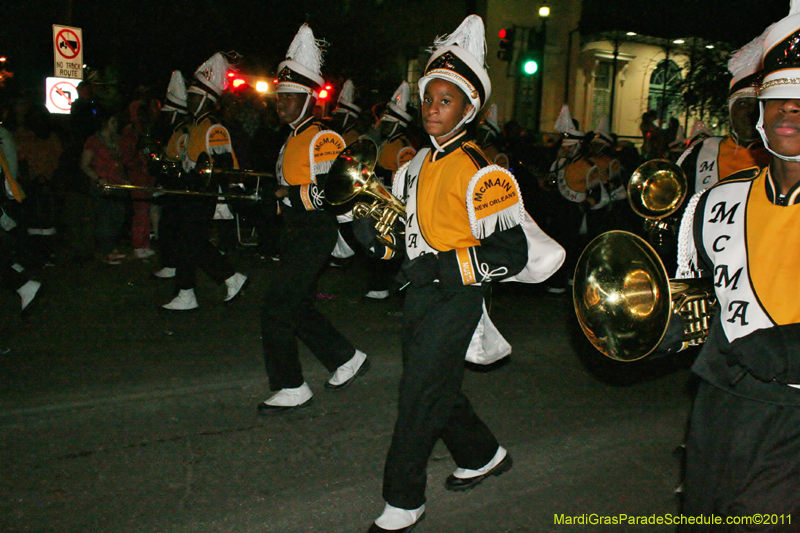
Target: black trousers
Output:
{"points": [[742, 458], [9, 278], [195, 249], [439, 324], [169, 230], [289, 311]]}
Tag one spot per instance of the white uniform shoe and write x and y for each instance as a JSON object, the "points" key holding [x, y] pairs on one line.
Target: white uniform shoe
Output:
{"points": [[184, 301], [165, 273], [234, 285], [348, 372], [286, 399], [396, 519]]}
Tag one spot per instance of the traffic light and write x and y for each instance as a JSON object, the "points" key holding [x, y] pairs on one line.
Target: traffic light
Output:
{"points": [[530, 66], [531, 61], [506, 52]]}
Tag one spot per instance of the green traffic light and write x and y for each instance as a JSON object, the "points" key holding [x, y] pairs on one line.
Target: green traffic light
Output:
{"points": [[530, 67]]}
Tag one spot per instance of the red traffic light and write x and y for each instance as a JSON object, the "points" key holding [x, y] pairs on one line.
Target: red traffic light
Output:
{"points": [[506, 45]]}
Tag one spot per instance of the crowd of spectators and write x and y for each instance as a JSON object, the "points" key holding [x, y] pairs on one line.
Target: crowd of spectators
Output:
{"points": [[65, 160]]}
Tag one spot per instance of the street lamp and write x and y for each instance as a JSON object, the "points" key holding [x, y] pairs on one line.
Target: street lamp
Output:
{"points": [[544, 13]]}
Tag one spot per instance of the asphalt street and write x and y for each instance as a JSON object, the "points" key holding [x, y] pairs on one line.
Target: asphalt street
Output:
{"points": [[118, 418]]}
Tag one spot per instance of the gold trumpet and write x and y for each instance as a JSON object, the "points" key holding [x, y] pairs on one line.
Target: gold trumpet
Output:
{"points": [[624, 300], [353, 175]]}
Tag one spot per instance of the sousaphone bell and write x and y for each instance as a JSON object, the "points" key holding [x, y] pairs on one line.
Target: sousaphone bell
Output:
{"points": [[624, 300]]}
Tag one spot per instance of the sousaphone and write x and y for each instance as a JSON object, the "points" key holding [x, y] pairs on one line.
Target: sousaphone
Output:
{"points": [[625, 301]]}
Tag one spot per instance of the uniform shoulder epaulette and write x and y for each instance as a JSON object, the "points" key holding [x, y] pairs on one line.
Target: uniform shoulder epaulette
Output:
{"points": [[494, 201], [475, 153], [743, 175]]}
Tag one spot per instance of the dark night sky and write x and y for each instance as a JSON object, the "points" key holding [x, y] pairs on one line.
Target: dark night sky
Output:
{"points": [[147, 39], [732, 21]]}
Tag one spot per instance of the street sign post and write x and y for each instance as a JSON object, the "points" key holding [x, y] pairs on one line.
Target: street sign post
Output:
{"points": [[68, 52]]}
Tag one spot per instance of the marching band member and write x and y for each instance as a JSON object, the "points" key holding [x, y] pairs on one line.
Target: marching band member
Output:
{"points": [[347, 115], [466, 226], [743, 447], [174, 119], [580, 191], [207, 144], [394, 150], [714, 159], [12, 275], [310, 234], [488, 138]]}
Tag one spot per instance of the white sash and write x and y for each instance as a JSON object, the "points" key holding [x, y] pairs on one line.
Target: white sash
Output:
{"points": [[725, 241], [415, 242], [707, 169]]}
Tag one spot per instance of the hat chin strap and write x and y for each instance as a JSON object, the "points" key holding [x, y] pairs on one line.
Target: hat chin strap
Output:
{"points": [[760, 128], [296, 121], [468, 118]]}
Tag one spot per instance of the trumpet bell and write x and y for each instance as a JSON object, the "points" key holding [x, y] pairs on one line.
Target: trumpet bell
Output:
{"points": [[621, 295], [351, 171], [657, 189]]}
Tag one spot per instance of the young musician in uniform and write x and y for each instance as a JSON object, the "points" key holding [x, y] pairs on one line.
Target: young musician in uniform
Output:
{"points": [[743, 448], [173, 120], [395, 148], [466, 226], [309, 236], [346, 118], [714, 159], [207, 145], [488, 138], [12, 275]]}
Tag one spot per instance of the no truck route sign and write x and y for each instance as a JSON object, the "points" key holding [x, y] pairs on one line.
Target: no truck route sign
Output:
{"points": [[68, 52]]}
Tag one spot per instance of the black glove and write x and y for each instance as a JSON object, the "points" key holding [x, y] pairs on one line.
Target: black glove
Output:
{"points": [[366, 235], [768, 354], [421, 270], [673, 337]]}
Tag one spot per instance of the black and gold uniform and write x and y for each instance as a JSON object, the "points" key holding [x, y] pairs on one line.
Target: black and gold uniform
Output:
{"points": [[744, 438], [207, 143], [466, 227], [742, 234], [395, 152], [309, 235], [468, 213]]}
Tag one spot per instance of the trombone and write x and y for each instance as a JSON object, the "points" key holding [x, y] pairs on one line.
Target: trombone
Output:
{"points": [[208, 173]]}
